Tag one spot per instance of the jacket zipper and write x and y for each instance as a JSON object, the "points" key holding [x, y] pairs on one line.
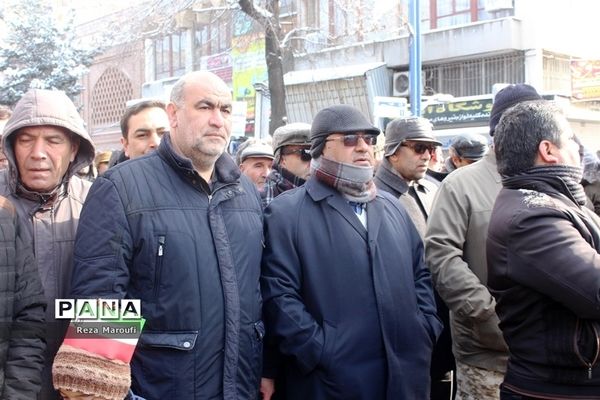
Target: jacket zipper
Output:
{"points": [[159, 262], [591, 363], [211, 195]]}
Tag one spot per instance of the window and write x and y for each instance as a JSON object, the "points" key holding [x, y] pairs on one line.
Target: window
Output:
{"points": [[444, 13], [210, 39], [169, 55], [452, 12], [109, 96], [475, 77]]}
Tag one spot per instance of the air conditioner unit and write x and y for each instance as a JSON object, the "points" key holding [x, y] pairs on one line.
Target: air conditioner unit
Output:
{"points": [[401, 83]]}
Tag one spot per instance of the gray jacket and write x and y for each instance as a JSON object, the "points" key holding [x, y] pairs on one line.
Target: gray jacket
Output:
{"points": [[455, 251], [51, 218]]}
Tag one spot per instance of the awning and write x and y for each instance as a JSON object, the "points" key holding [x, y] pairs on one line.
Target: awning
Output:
{"points": [[327, 74]]}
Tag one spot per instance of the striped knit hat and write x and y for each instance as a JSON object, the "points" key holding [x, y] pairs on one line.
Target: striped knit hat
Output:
{"points": [[81, 371]]}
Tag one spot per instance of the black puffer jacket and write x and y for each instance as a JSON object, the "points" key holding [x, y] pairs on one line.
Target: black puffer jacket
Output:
{"points": [[22, 308], [150, 230], [544, 270]]}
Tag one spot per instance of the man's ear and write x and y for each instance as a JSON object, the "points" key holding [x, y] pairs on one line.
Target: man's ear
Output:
{"points": [[282, 160], [75, 140], [171, 113], [125, 145], [547, 152], [455, 159]]}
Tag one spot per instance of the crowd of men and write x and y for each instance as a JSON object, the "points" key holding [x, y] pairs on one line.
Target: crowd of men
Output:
{"points": [[301, 268]]}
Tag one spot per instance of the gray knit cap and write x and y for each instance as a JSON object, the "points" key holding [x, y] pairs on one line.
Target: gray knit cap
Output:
{"points": [[340, 118]]}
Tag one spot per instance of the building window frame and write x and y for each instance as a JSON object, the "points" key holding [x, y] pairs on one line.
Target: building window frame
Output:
{"points": [[170, 55]]}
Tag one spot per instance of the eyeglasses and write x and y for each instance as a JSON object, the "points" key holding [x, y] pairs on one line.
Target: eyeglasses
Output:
{"points": [[420, 148], [352, 140], [303, 153]]}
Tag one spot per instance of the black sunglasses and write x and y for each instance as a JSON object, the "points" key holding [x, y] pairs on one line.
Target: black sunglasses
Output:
{"points": [[420, 148], [352, 140], [303, 153]]}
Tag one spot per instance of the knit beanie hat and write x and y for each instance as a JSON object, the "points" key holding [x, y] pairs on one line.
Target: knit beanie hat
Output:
{"points": [[508, 97], [81, 371], [340, 118]]}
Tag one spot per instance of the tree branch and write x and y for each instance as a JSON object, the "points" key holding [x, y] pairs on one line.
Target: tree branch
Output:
{"points": [[259, 14]]}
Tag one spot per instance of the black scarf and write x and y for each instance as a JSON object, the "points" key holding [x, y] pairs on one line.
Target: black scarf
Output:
{"points": [[564, 178]]}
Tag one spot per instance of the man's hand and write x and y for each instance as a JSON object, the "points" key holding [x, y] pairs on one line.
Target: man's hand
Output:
{"points": [[267, 388]]}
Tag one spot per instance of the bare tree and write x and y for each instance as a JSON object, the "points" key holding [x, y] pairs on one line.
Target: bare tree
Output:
{"points": [[268, 18]]}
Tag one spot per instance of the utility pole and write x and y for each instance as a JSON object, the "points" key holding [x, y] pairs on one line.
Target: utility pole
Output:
{"points": [[414, 66]]}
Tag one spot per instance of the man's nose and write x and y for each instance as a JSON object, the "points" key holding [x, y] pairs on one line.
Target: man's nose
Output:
{"points": [[266, 170], [154, 140], [39, 149], [217, 119], [361, 145]]}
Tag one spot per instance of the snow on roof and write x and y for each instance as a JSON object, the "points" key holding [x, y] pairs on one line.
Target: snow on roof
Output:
{"points": [[327, 74]]}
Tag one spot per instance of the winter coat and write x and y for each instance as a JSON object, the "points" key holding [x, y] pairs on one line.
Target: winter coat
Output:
{"points": [[51, 220], [352, 309], [152, 229], [22, 307], [544, 270], [388, 179], [455, 252]]}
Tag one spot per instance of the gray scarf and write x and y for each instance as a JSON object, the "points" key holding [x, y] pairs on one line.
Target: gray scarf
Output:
{"points": [[355, 183]]}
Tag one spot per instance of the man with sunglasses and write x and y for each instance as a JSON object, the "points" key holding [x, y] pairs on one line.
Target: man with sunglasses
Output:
{"points": [[291, 166], [409, 146], [347, 297]]}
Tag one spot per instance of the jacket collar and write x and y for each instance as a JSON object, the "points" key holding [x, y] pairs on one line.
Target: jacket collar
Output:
{"points": [[43, 198], [391, 178], [318, 191], [396, 184], [225, 170], [489, 161], [541, 183]]}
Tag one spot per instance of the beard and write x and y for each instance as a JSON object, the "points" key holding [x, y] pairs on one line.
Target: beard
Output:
{"points": [[204, 155]]}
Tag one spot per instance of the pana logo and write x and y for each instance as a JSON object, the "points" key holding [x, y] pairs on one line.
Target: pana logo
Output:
{"points": [[98, 309]]}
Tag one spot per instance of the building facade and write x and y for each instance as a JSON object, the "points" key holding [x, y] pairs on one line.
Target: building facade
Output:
{"points": [[351, 51]]}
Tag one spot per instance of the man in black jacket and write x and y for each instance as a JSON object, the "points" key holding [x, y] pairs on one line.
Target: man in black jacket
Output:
{"points": [[22, 308], [543, 260], [181, 229]]}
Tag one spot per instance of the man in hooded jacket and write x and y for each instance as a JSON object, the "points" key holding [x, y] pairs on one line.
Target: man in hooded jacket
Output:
{"points": [[46, 143]]}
